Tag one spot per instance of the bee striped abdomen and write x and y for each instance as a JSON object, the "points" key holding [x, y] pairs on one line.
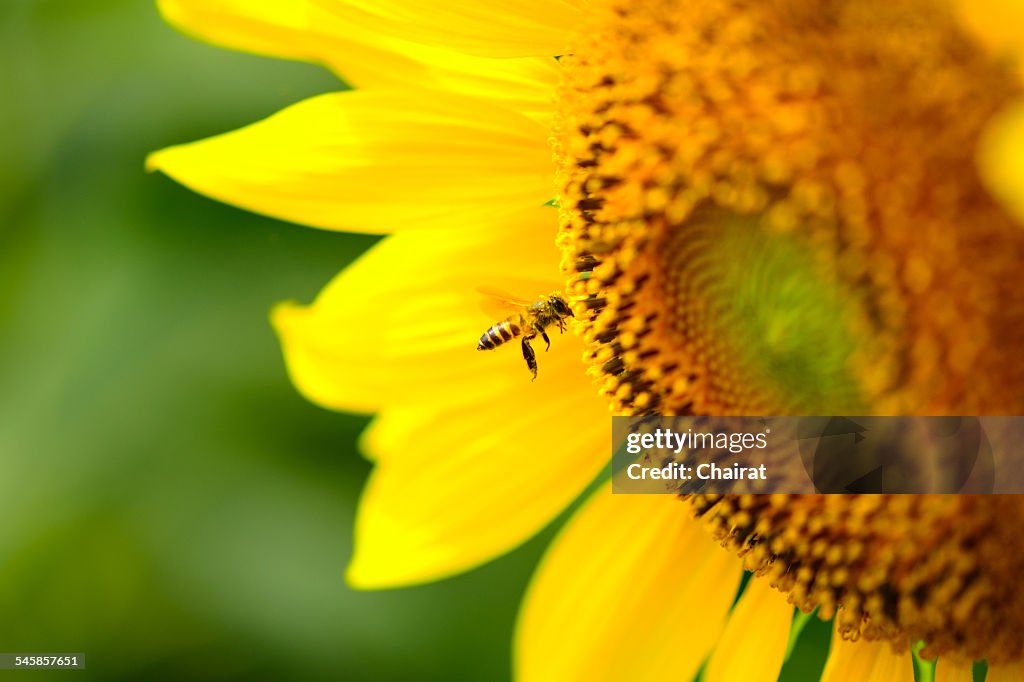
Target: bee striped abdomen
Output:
{"points": [[498, 334], [531, 321]]}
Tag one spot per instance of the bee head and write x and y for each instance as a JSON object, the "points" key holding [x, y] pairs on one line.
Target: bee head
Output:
{"points": [[560, 306]]}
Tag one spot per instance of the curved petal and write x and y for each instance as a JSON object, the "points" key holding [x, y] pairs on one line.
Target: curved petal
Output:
{"points": [[293, 30], [526, 86], [1013, 672], [949, 671], [753, 646], [301, 29], [457, 486], [399, 327], [864, 661], [633, 587], [374, 162], [1001, 158], [488, 28]]}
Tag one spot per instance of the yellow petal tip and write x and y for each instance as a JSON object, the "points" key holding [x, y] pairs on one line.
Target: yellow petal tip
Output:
{"points": [[282, 313], [168, 9], [374, 570], [152, 163], [358, 578]]}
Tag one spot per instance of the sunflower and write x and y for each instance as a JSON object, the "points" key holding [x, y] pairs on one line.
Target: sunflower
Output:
{"points": [[795, 207]]}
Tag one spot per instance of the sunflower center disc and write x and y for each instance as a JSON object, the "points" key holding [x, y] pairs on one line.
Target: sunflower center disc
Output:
{"points": [[773, 208]]}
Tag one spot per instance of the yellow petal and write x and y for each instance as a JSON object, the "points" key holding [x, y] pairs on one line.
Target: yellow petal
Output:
{"points": [[1013, 672], [950, 671], [632, 589], [864, 661], [455, 487], [526, 86], [300, 29], [400, 326], [753, 646], [489, 28], [1001, 158], [269, 27], [374, 162]]}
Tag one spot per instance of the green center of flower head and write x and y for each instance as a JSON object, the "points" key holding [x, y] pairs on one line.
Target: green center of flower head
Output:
{"points": [[755, 298], [773, 208]]}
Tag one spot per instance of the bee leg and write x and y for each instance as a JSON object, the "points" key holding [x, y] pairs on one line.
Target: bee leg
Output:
{"points": [[529, 356], [537, 329]]}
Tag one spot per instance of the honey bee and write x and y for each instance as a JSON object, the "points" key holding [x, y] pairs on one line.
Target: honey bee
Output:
{"points": [[527, 322]]}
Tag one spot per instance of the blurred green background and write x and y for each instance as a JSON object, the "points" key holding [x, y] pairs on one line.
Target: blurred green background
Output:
{"points": [[170, 505]]}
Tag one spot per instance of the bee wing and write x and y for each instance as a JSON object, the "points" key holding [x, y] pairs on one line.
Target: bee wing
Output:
{"points": [[498, 304]]}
